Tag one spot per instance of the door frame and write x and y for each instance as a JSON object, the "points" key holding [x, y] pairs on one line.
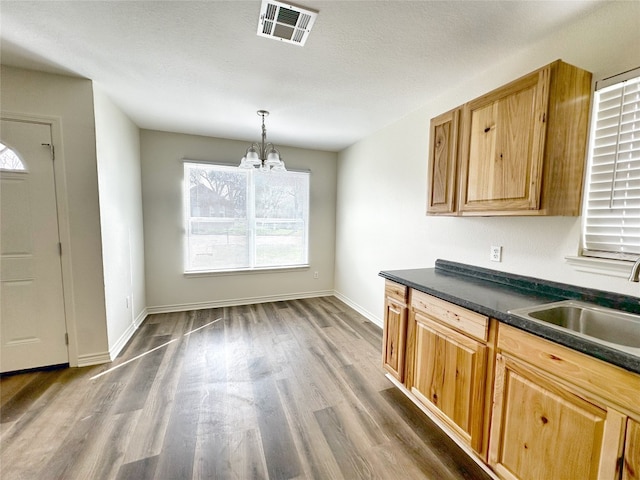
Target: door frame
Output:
{"points": [[64, 231]]}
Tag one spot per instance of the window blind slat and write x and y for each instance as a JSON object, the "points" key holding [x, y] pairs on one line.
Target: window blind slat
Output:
{"points": [[620, 241]]}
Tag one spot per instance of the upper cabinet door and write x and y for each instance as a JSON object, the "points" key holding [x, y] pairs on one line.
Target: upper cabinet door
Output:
{"points": [[503, 147], [443, 158]]}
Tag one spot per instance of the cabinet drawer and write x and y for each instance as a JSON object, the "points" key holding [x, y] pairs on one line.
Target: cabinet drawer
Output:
{"points": [[607, 382], [461, 319], [396, 291]]}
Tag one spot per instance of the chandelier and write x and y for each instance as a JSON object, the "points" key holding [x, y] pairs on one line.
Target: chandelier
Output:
{"points": [[264, 156]]}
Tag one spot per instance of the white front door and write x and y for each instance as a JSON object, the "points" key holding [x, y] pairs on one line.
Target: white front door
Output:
{"points": [[32, 316]]}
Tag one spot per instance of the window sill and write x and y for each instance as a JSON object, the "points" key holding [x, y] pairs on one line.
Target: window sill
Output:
{"points": [[601, 266], [222, 273]]}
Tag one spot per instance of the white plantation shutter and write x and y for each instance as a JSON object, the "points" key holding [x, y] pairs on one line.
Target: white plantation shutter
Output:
{"points": [[612, 213]]}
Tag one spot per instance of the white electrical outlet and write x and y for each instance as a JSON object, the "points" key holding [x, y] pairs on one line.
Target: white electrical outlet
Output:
{"points": [[495, 254], [315, 274]]}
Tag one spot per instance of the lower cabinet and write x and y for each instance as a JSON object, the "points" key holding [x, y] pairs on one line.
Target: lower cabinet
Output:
{"points": [[631, 459], [450, 366], [529, 408], [395, 329], [542, 430], [559, 414], [449, 376]]}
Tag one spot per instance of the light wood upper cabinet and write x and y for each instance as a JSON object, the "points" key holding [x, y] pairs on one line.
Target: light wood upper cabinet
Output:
{"points": [[503, 147], [395, 329], [443, 156], [521, 148]]}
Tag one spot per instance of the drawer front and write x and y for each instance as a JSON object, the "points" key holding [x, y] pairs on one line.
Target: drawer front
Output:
{"points": [[396, 291], [461, 319], [608, 383]]}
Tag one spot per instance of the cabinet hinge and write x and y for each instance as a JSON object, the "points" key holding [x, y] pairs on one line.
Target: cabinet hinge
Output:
{"points": [[60, 248], [66, 339]]}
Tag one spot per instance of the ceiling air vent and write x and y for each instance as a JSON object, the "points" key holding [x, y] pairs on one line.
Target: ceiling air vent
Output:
{"points": [[285, 22]]}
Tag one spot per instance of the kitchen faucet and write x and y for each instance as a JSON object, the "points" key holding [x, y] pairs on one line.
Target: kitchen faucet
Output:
{"points": [[635, 271]]}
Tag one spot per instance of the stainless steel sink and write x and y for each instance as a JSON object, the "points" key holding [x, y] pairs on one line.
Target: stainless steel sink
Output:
{"points": [[614, 328]]}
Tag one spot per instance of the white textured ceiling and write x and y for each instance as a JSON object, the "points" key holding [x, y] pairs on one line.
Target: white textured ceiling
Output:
{"points": [[200, 68]]}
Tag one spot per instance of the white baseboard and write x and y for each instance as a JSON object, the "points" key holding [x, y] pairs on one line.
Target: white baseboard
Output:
{"points": [[122, 341], [106, 357], [183, 307], [115, 350], [93, 359], [140, 318], [362, 311]]}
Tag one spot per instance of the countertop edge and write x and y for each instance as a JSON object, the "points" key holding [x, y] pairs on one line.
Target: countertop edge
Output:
{"points": [[540, 291]]}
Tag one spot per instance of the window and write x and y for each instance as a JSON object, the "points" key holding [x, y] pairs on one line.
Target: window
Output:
{"points": [[611, 225], [9, 160], [244, 219]]}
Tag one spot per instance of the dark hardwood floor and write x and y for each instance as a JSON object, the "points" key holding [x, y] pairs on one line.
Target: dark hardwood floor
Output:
{"points": [[284, 390]]}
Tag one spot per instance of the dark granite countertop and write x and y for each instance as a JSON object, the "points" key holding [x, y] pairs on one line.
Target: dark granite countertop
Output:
{"points": [[494, 293]]}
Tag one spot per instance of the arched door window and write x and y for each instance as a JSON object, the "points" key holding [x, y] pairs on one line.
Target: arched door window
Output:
{"points": [[9, 160]]}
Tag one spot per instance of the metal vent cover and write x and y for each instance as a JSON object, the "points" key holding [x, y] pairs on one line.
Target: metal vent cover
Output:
{"points": [[285, 22]]}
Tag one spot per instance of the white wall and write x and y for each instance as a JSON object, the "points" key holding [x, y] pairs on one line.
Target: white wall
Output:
{"points": [[120, 192], [162, 174], [69, 100], [381, 221]]}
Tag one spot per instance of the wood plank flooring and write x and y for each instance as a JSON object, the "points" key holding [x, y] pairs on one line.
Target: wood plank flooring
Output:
{"points": [[283, 390]]}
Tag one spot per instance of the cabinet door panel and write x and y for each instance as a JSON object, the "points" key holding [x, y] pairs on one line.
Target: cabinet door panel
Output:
{"points": [[394, 335], [542, 431], [631, 464], [512, 176], [443, 157], [503, 147], [482, 152], [448, 374]]}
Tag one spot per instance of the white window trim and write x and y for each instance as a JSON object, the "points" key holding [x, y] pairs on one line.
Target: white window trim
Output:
{"points": [[229, 164], [601, 266], [248, 270]]}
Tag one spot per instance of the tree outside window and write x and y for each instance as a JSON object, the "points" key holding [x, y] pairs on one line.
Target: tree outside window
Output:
{"points": [[242, 220]]}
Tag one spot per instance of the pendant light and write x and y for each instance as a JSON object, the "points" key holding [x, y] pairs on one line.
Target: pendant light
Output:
{"points": [[264, 156]]}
